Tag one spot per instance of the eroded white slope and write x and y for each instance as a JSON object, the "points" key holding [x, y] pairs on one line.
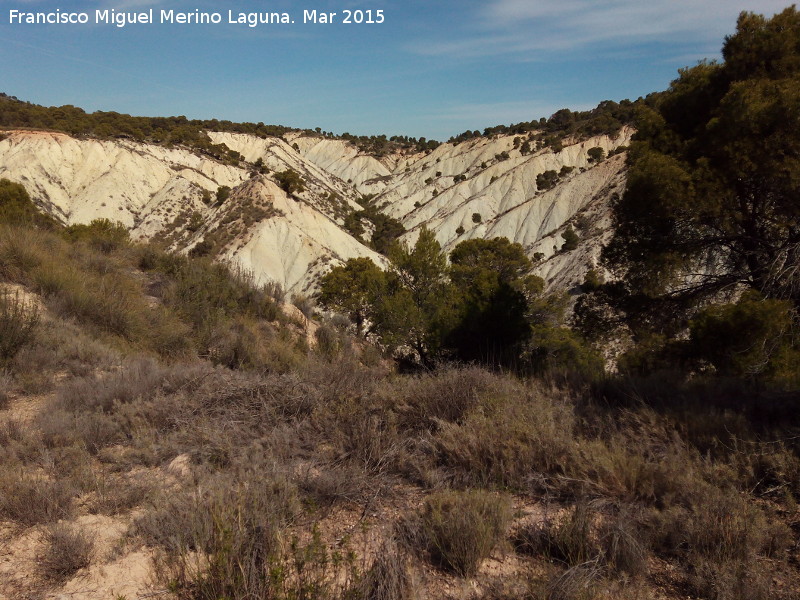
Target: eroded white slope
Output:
{"points": [[156, 191], [503, 196], [278, 155], [295, 247], [491, 187], [343, 160], [79, 180]]}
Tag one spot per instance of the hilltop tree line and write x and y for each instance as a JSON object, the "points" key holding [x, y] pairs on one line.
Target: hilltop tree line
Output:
{"points": [[165, 131], [176, 130], [380, 145], [608, 117]]}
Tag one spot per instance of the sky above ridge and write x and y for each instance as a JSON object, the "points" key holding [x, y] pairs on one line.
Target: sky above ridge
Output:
{"points": [[433, 68]]}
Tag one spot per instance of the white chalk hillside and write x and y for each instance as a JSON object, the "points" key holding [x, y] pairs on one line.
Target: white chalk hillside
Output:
{"points": [[296, 246], [78, 180], [157, 192], [154, 191], [420, 190]]}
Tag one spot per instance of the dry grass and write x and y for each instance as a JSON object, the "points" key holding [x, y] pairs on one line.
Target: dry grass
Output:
{"points": [[388, 578], [66, 551], [5, 389], [245, 343], [135, 379], [30, 499], [720, 526], [280, 436], [446, 396], [730, 580], [460, 529], [221, 540], [507, 439], [568, 538], [18, 321], [625, 542], [580, 582]]}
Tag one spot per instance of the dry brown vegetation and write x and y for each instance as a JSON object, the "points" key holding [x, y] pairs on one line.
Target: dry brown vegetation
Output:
{"points": [[171, 396]]}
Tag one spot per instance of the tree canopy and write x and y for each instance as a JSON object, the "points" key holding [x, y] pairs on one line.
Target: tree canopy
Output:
{"points": [[17, 208], [711, 206], [290, 181], [484, 306], [712, 201]]}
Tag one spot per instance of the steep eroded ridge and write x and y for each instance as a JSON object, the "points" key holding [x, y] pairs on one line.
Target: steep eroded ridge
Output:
{"points": [[484, 187]]}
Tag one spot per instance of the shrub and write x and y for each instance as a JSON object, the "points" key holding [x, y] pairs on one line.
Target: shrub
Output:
{"points": [[274, 290], [388, 578], [168, 335], [596, 154], [459, 230], [624, 542], [569, 540], [18, 322], [67, 550], [748, 338], [30, 499], [724, 526], [138, 378], [290, 181], [508, 438], [195, 221], [546, 180], [329, 340], [570, 240], [333, 484], [117, 495], [94, 430], [234, 520], [243, 343], [305, 304], [576, 583], [201, 248], [11, 432], [555, 143], [205, 293], [17, 208], [223, 193], [447, 395], [476, 217], [592, 281], [5, 387], [733, 580], [460, 529], [111, 301], [22, 250], [102, 234]]}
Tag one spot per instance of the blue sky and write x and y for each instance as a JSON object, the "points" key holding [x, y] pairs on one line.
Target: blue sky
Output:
{"points": [[433, 69]]}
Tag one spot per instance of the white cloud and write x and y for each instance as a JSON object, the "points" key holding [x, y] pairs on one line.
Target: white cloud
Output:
{"points": [[525, 26]]}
